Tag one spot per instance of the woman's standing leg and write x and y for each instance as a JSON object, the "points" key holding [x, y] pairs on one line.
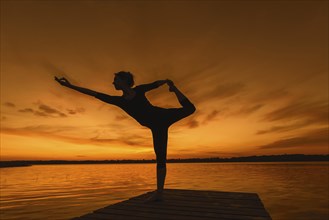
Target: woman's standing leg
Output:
{"points": [[160, 140]]}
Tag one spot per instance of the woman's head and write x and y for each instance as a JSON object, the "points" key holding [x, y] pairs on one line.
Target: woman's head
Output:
{"points": [[123, 78]]}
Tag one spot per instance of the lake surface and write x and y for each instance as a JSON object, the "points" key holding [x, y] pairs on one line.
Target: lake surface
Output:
{"points": [[289, 191]]}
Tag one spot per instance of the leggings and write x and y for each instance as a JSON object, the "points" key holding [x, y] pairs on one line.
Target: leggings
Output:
{"points": [[161, 125]]}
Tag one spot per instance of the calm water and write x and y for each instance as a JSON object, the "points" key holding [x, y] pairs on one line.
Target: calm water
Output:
{"points": [[288, 190]]}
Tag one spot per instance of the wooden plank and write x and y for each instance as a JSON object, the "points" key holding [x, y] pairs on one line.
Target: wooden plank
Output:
{"points": [[149, 214], [95, 216], [204, 208], [215, 206], [186, 205], [233, 195], [108, 216], [208, 201], [98, 215], [209, 208], [222, 196], [175, 213]]}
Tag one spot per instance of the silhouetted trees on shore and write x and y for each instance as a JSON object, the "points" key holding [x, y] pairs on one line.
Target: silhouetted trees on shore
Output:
{"points": [[264, 158]]}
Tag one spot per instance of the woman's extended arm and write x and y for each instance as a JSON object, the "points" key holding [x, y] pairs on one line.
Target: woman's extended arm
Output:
{"points": [[154, 85], [65, 82], [101, 96]]}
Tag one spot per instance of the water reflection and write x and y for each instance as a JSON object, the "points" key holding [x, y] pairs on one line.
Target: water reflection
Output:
{"points": [[288, 190]]}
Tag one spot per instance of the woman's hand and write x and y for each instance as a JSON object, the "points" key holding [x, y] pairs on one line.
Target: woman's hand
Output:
{"points": [[171, 85], [169, 82], [63, 81]]}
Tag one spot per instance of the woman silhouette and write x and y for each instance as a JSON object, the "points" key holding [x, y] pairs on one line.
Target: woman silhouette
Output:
{"points": [[135, 104]]}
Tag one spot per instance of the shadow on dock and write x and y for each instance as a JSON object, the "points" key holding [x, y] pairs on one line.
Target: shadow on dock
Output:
{"points": [[186, 205]]}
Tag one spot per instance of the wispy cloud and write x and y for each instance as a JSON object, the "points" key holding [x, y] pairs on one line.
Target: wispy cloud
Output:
{"points": [[284, 128], [228, 90], [211, 116], [192, 123], [186, 153], [315, 111], [44, 110], [242, 110], [75, 111], [9, 104], [313, 138], [47, 110], [296, 115], [218, 92], [26, 110], [121, 117], [272, 94], [44, 131], [248, 109], [132, 140]]}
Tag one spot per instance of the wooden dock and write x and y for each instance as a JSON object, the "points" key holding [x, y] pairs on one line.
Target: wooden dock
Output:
{"points": [[181, 204]]}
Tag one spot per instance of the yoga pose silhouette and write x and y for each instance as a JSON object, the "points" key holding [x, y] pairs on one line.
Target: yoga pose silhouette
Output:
{"points": [[135, 104]]}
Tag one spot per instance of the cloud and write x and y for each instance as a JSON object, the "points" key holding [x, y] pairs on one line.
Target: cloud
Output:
{"points": [[193, 123], [190, 122], [186, 153], [271, 95], [50, 111], [314, 138], [248, 109], [37, 113], [211, 116], [43, 114], [49, 129], [227, 90], [245, 109], [44, 111], [132, 140], [121, 117], [9, 104], [313, 111], [75, 111], [25, 110], [285, 127], [221, 91], [43, 131], [296, 115]]}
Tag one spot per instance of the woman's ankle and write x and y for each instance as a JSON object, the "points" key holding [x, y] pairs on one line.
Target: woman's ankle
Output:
{"points": [[159, 191]]}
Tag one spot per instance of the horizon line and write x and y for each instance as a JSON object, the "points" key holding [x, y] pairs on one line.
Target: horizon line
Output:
{"points": [[192, 158]]}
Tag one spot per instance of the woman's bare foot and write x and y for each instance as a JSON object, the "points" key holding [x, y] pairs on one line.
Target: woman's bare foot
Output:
{"points": [[155, 197]]}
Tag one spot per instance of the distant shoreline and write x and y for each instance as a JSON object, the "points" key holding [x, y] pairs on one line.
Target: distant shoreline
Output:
{"points": [[265, 158]]}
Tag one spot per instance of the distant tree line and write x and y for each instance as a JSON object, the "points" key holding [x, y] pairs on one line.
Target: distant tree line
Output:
{"points": [[264, 158]]}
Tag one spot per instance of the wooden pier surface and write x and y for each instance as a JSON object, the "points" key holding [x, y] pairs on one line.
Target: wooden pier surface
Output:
{"points": [[186, 205]]}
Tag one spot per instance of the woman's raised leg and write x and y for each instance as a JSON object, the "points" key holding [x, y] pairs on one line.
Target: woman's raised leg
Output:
{"points": [[176, 114], [180, 96]]}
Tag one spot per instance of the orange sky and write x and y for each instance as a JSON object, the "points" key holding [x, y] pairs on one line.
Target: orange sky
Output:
{"points": [[257, 72]]}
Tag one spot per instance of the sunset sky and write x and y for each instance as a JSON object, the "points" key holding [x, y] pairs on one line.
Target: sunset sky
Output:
{"points": [[257, 72]]}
